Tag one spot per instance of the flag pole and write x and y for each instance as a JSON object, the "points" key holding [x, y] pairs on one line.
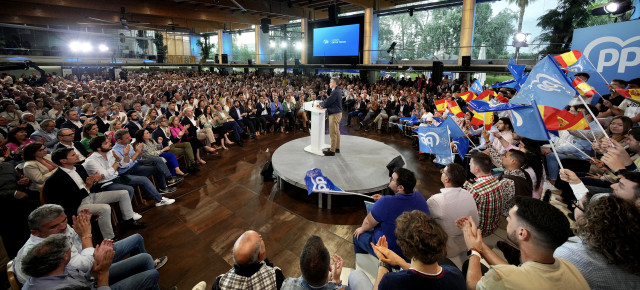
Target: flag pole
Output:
{"points": [[574, 146], [605, 80], [553, 147], [595, 118], [334, 192]]}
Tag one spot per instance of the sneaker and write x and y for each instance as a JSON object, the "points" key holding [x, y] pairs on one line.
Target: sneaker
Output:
{"points": [[174, 180], [136, 216], [169, 189], [165, 201], [159, 262], [200, 286]]}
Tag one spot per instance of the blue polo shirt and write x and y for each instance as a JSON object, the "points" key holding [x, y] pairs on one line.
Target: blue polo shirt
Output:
{"points": [[449, 278], [388, 208]]}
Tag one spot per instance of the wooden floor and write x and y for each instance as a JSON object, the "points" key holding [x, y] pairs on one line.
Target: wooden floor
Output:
{"points": [[228, 197]]}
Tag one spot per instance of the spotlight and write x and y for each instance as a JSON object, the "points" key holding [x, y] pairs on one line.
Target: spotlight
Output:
{"points": [[103, 48], [613, 8], [283, 44], [74, 46], [272, 44], [299, 45], [86, 47], [520, 36], [392, 47], [520, 39]]}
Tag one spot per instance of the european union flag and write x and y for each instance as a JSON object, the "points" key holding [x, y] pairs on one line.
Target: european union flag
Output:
{"points": [[517, 70], [546, 85], [315, 181], [476, 87], [454, 129], [533, 127], [435, 140]]}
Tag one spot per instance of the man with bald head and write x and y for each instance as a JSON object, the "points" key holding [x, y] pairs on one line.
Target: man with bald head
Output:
{"points": [[251, 269]]}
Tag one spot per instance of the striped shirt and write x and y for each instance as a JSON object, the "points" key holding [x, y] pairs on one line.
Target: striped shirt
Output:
{"points": [[487, 194]]}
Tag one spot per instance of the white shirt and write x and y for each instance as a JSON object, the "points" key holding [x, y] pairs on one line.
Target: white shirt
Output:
{"points": [[445, 208], [75, 176], [97, 163], [81, 259]]}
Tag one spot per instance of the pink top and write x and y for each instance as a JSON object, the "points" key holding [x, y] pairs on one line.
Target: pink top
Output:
{"points": [[176, 130], [13, 146]]}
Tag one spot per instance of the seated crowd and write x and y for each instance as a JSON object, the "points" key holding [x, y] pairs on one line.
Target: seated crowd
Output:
{"points": [[70, 149]]}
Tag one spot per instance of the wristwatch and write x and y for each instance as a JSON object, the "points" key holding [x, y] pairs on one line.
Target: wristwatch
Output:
{"points": [[473, 252], [386, 265]]}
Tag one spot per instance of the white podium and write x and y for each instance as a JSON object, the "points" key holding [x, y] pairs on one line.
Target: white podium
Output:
{"points": [[317, 128]]}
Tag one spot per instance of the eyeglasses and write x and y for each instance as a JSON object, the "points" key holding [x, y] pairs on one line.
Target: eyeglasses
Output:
{"points": [[67, 135], [41, 149]]}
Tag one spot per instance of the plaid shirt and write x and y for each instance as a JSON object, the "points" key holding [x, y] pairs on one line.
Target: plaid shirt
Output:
{"points": [[487, 192], [265, 278]]}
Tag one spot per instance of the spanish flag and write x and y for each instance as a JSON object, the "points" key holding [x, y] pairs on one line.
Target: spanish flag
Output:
{"points": [[486, 95], [502, 99], [568, 58], [441, 105], [480, 119], [556, 120], [455, 109], [633, 94], [467, 96], [583, 88]]}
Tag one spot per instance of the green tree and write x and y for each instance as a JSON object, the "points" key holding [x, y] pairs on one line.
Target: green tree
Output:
{"points": [[161, 49], [522, 4], [492, 32], [206, 48]]}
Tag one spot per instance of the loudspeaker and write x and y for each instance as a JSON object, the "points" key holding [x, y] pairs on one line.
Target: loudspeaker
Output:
{"points": [[395, 163], [438, 70], [466, 60], [264, 24], [225, 58], [334, 10], [296, 62], [249, 62], [246, 70]]}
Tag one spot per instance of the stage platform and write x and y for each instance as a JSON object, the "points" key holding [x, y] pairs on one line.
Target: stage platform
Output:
{"points": [[359, 167]]}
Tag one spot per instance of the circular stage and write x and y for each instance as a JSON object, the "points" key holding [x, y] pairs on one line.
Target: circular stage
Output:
{"points": [[359, 167]]}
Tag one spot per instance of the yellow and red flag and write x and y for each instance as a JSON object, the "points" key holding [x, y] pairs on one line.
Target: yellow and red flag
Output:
{"points": [[555, 119], [486, 95], [583, 88], [455, 109], [633, 94], [480, 119], [467, 96], [441, 105], [502, 99], [568, 58]]}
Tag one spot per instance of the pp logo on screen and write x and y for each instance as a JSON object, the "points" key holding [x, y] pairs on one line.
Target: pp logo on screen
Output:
{"points": [[615, 52], [547, 83], [319, 183], [325, 41]]}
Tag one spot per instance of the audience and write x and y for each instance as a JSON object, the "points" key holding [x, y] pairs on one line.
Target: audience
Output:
{"points": [[316, 267], [487, 193]]}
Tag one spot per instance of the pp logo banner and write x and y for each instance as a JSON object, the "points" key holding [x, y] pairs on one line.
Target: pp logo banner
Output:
{"points": [[614, 52]]}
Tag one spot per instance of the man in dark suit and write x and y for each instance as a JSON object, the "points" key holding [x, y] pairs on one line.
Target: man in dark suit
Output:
{"points": [[82, 191], [333, 104], [102, 121], [74, 123], [133, 125], [238, 114], [402, 109], [359, 109], [264, 113], [65, 138]]}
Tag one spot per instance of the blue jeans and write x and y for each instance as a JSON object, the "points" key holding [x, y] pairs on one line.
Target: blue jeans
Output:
{"points": [[131, 245], [362, 245], [354, 113], [149, 166], [232, 125], [136, 272], [146, 184]]}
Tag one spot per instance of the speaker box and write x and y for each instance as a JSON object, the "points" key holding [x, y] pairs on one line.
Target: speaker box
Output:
{"points": [[297, 62], [438, 70], [396, 162], [249, 62], [466, 60], [334, 10], [225, 58], [246, 70], [264, 24]]}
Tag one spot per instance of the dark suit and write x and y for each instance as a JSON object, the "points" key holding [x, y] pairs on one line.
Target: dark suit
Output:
{"points": [[245, 120], [158, 132], [102, 126], [406, 111], [62, 190], [264, 118], [333, 104], [76, 144], [133, 127], [78, 130]]}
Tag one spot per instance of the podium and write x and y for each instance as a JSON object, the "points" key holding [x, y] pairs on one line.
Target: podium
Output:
{"points": [[317, 128]]}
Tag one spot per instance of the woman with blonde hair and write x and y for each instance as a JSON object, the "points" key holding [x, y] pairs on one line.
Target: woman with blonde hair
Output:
{"points": [[114, 126]]}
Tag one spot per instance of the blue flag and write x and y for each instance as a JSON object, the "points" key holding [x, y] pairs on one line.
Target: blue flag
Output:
{"points": [[476, 87], [435, 140], [518, 85], [582, 65], [506, 84], [517, 70], [484, 106], [546, 85], [462, 146], [454, 129], [527, 122], [315, 181], [410, 120]]}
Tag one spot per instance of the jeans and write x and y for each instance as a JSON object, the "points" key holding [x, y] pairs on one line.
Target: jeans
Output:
{"points": [[136, 272], [232, 125], [149, 166], [354, 113], [146, 184], [552, 163], [362, 245], [98, 203]]}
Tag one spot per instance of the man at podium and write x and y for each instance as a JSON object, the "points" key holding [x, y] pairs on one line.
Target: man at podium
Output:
{"points": [[333, 104]]}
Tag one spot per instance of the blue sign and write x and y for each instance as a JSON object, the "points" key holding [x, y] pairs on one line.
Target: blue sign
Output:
{"points": [[315, 181], [614, 50], [547, 85], [435, 140]]}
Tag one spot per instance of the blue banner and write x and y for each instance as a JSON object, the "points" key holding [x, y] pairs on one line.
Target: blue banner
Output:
{"points": [[454, 129], [506, 84], [546, 85], [315, 181], [484, 106], [435, 140], [517, 70], [476, 87], [613, 49]]}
